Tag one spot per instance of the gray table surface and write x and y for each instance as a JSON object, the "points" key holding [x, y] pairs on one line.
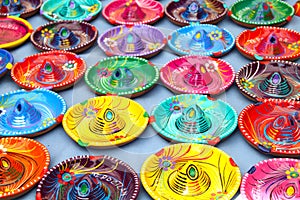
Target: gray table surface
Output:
{"points": [[61, 146]]}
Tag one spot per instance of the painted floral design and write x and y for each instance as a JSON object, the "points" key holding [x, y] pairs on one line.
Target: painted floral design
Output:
{"points": [[110, 42], [117, 138], [128, 2], [166, 163], [294, 46], [66, 177], [153, 46], [219, 196], [292, 173], [48, 121], [3, 149], [46, 33], [89, 112], [246, 83], [211, 66], [215, 35], [93, 8], [175, 106], [270, 4], [103, 72], [2, 111], [71, 65]]}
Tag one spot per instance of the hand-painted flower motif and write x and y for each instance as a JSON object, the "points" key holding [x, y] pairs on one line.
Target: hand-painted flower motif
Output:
{"points": [[215, 35], [28, 82], [246, 83], [48, 121], [46, 33], [166, 163], [294, 46], [103, 72], [219, 196], [110, 42], [292, 173], [66, 177], [117, 138], [211, 66], [93, 8], [2, 111], [89, 112], [176, 106], [70, 65], [3, 149], [153, 46]]}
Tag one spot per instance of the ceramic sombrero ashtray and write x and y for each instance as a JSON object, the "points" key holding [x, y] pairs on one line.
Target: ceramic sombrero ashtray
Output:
{"points": [[122, 75], [190, 171], [203, 39], [105, 122], [196, 74], [68, 35], [30, 113], [269, 79], [24, 161], [275, 178], [89, 177], [19, 8], [269, 43], [56, 70], [6, 61], [136, 40], [185, 12], [194, 118], [272, 126], [252, 13], [14, 31], [79, 10], [132, 12]]}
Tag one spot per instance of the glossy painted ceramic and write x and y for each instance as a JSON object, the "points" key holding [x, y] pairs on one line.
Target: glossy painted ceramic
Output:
{"points": [[14, 31], [190, 171], [137, 40], [252, 13], [68, 35], [6, 61], [194, 118], [272, 126], [55, 70], [23, 163], [105, 122], [203, 39], [276, 178], [269, 43], [132, 12], [269, 79], [89, 177], [122, 75], [196, 74], [30, 113], [20, 8], [185, 12], [79, 10]]}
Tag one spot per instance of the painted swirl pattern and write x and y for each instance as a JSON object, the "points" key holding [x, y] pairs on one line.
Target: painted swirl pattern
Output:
{"points": [[190, 171], [89, 177], [196, 118], [274, 179], [105, 121], [272, 126], [23, 162], [269, 79], [197, 74]]}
